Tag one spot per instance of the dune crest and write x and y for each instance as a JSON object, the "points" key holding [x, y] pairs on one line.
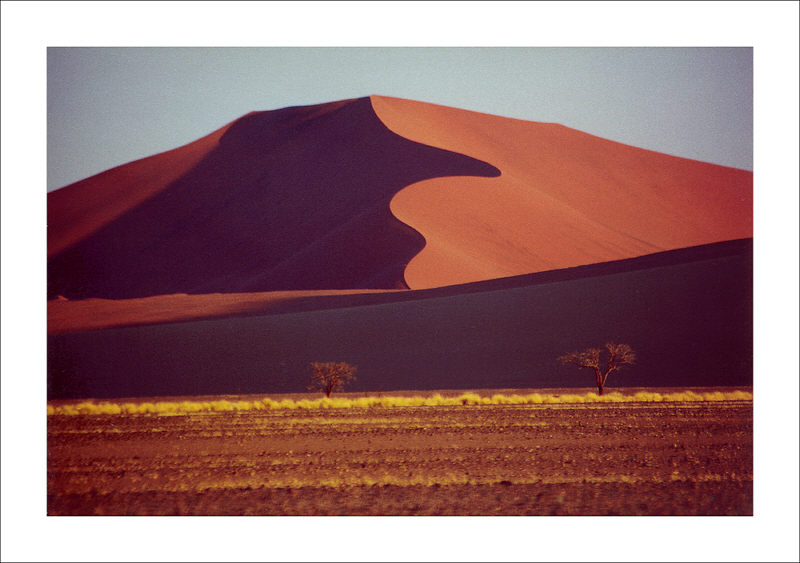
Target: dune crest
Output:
{"points": [[564, 198], [290, 199]]}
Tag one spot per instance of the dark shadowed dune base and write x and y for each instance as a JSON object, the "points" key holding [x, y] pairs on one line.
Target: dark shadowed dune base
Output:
{"points": [[687, 313], [247, 217]]}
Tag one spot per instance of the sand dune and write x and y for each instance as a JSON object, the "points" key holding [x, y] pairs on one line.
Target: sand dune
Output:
{"points": [[687, 314], [309, 198], [77, 211], [65, 316], [92, 314], [434, 247], [564, 198], [290, 199]]}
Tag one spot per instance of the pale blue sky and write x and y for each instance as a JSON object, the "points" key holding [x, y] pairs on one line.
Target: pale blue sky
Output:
{"points": [[108, 106]]}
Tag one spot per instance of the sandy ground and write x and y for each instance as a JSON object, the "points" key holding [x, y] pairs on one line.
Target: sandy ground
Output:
{"points": [[602, 459]]}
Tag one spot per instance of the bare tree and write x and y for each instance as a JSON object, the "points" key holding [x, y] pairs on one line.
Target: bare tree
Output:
{"points": [[619, 355], [330, 376]]}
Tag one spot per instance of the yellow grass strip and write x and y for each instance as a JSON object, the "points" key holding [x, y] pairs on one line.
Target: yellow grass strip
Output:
{"points": [[467, 399]]}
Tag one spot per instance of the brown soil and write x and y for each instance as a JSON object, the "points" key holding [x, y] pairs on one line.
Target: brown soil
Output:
{"points": [[603, 459]]}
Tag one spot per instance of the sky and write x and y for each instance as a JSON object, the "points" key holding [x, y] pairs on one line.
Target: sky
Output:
{"points": [[108, 106]]}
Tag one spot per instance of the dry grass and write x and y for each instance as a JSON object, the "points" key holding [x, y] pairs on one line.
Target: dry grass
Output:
{"points": [[466, 399]]}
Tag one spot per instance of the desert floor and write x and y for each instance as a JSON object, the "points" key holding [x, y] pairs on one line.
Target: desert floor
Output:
{"points": [[558, 459]]}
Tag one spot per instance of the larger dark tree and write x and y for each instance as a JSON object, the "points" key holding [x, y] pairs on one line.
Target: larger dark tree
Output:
{"points": [[619, 355], [330, 376]]}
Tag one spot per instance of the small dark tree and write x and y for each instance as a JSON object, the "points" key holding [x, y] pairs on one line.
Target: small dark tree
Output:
{"points": [[619, 355], [330, 376]]}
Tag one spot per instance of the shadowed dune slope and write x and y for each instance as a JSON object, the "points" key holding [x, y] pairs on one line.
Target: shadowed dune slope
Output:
{"points": [[291, 199], [77, 211], [687, 314], [564, 198]]}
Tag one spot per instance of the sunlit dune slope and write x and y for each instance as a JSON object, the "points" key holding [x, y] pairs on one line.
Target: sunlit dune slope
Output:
{"points": [[95, 313], [564, 198], [291, 199]]}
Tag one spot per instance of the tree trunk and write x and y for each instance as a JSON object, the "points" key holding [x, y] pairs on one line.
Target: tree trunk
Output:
{"points": [[598, 377]]}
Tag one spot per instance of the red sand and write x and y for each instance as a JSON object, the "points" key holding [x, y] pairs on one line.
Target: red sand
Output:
{"points": [[91, 314], [292, 199], [66, 316], [687, 314], [300, 199], [564, 198], [81, 209], [316, 213]]}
